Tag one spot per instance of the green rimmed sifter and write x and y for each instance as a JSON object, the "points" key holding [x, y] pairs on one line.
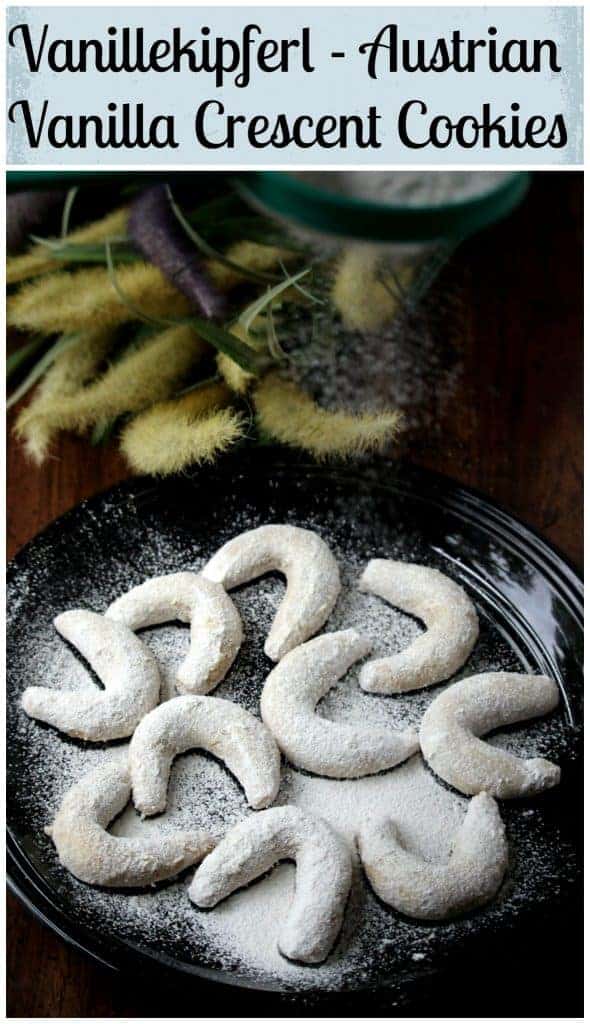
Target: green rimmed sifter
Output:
{"points": [[398, 227]]}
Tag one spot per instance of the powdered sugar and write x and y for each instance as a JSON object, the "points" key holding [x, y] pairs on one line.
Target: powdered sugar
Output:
{"points": [[405, 188], [412, 364]]}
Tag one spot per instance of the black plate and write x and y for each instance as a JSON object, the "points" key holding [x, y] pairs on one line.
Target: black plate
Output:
{"points": [[530, 606]]}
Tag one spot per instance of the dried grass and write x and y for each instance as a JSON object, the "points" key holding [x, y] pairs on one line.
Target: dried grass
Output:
{"points": [[81, 300], [148, 375], [366, 298], [68, 375], [39, 259], [287, 414], [253, 257], [187, 431]]}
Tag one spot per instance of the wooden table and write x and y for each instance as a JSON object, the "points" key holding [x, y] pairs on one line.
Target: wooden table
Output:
{"points": [[511, 427]]}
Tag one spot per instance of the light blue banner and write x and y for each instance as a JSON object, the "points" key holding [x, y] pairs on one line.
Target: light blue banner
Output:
{"points": [[293, 86]]}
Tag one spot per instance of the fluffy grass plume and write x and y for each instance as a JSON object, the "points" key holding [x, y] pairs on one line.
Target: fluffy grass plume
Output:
{"points": [[187, 431], [236, 378], [365, 300], [288, 415], [70, 372], [149, 374], [252, 256], [80, 300], [39, 258]]}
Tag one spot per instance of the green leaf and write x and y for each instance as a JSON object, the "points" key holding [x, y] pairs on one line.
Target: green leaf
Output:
{"points": [[274, 345], [255, 229], [259, 305], [215, 378], [135, 310], [208, 250], [227, 343], [42, 366], [74, 252], [102, 432], [213, 211], [16, 360], [67, 210]]}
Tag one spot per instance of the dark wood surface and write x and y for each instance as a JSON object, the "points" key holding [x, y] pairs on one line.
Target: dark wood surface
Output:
{"points": [[511, 426]]}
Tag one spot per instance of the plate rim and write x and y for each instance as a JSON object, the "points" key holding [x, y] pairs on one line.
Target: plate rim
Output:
{"points": [[496, 513]]}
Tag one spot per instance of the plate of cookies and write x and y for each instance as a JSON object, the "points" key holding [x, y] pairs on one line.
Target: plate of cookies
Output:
{"points": [[293, 728]]}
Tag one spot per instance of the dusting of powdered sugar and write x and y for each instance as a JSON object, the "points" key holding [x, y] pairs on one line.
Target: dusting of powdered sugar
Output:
{"points": [[405, 188], [240, 935], [412, 363]]}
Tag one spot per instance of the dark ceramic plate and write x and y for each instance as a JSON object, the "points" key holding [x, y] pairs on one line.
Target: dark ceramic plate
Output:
{"points": [[530, 607]]}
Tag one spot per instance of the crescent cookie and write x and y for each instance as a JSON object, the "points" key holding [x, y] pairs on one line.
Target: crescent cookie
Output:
{"points": [[216, 627], [445, 609], [335, 749], [94, 856], [313, 579], [474, 706], [433, 891], [323, 875], [127, 669], [209, 723]]}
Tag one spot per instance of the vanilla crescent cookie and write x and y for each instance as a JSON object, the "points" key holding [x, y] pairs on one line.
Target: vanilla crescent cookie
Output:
{"points": [[219, 726], [335, 749], [95, 856], [322, 883], [445, 609], [313, 578], [437, 891], [216, 627], [474, 706], [127, 669]]}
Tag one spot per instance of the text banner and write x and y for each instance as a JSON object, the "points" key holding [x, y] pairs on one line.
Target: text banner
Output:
{"points": [[294, 86]]}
